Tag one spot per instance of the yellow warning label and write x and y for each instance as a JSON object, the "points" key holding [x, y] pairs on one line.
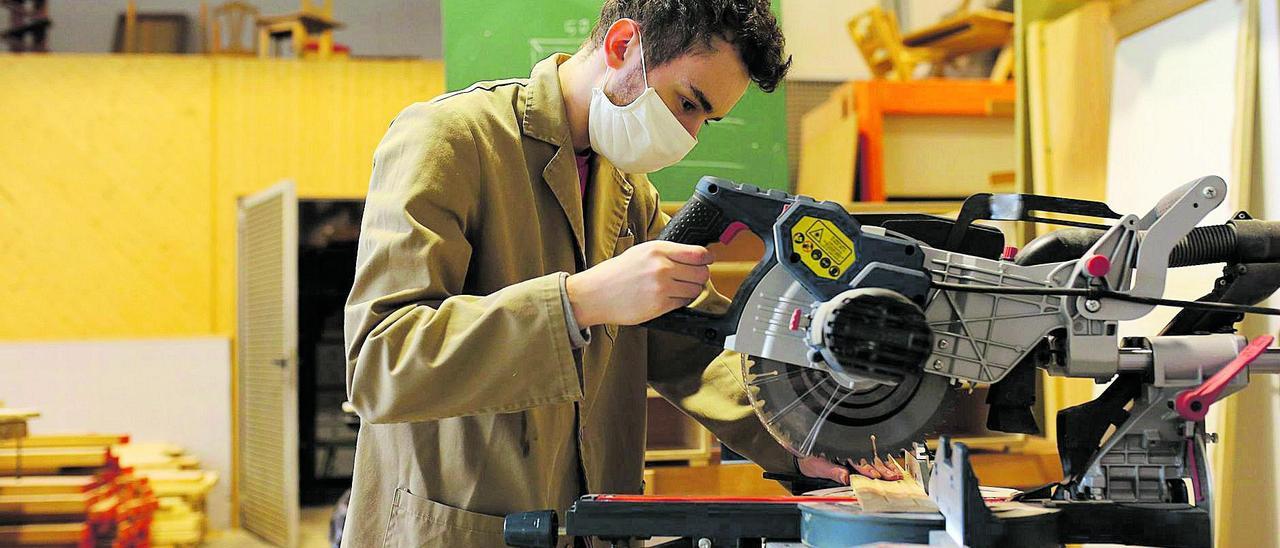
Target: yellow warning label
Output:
{"points": [[822, 247]]}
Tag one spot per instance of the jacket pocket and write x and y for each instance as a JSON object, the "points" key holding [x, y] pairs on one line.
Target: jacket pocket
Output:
{"points": [[624, 243], [416, 521]]}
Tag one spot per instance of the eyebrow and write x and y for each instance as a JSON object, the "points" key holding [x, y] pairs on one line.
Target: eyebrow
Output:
{"points": [[702, 98]]}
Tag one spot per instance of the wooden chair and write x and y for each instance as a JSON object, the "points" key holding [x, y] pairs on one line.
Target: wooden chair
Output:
{"points": [[28, 25], [298, 28], [138, 32], [875, 33], [970, 31], [893, 56], [231, 19]]}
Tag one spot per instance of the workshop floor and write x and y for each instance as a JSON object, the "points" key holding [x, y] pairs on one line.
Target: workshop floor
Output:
{"points": [[314, 532]]}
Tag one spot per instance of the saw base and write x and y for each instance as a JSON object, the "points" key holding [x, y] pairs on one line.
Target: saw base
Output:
{"points": [[965, 519], [832, 525], [1034, 524]]}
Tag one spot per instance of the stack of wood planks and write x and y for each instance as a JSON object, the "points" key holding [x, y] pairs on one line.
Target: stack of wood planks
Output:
{"points": [[100, 490], [180, 520], [71, 496]]}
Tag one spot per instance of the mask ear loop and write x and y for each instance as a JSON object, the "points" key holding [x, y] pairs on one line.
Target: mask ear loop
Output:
{"points": [[643, 69]]}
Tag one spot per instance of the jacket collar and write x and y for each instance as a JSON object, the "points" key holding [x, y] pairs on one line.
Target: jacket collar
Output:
{"points": [[544, 112]]}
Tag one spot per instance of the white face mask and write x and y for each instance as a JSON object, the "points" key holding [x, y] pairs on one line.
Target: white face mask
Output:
{"points": [[640, 137]]}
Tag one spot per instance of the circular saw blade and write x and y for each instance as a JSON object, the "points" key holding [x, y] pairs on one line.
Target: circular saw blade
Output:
{"points": [[806, 410]]}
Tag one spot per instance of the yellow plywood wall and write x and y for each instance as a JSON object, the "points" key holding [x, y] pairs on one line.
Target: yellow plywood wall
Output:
{"points": [[314, 123], [102, 237], [119, 177]]}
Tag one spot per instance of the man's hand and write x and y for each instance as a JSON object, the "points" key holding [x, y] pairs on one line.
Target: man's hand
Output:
{"points": [[642, 283], [818, 467]]}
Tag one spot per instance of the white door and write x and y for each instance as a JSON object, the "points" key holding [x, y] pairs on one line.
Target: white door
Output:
{"points": [[267, 343]]}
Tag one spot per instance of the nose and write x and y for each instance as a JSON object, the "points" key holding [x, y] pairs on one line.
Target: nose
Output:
{"points": [[692, 124]]}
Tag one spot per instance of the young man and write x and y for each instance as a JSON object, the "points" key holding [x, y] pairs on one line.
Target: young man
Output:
{"points": [[508, 233]]}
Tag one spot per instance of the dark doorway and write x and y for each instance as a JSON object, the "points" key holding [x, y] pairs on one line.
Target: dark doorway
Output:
{"points": [[328, 232]]}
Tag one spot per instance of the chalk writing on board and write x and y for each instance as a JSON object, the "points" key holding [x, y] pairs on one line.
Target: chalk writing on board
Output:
{"points": [[575, 30], [541, 48], [577, 27]]}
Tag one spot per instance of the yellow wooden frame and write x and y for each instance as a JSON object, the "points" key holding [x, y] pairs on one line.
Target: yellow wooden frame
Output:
{"points": [[1130, 17]]}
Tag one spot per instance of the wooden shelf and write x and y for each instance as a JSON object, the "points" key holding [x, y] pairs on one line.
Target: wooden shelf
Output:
{"points": [[878, 99], [739, 479], [674, 437]]}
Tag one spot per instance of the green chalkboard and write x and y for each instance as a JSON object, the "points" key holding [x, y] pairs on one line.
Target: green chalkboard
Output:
{"points": [[494, 39]]}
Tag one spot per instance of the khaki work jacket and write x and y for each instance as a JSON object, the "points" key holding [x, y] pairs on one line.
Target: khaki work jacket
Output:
{"points": [[473, 402]]}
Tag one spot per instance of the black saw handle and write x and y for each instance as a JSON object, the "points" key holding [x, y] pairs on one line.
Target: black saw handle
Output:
{"points": [[717, 211], [700, 221]]}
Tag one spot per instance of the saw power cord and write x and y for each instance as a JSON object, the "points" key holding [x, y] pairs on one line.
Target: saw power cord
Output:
{"points": [[1098, 293]]}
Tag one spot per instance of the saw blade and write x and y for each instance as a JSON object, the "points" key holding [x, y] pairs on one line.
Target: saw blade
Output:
{"points": [[806, 410]]}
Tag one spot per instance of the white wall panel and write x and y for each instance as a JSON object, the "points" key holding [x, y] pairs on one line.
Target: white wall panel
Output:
{"points": [[1172, 119], [819, 42], [171, 390]]}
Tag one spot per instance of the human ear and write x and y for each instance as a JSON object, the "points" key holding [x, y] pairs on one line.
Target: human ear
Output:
{"points": [[618, 40]]}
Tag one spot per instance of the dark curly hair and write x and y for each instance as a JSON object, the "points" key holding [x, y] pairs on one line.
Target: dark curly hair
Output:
{"points": [[673, 28]]}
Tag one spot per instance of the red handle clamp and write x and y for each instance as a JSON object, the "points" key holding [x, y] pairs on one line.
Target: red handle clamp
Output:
{"points": [[1193, 403]]}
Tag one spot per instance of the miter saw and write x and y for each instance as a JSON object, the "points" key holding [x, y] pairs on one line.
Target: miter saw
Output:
{"points": [[854, 325]]}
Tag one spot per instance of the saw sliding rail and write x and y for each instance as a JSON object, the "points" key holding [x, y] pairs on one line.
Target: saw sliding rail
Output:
{"points": [[1137, 360]]}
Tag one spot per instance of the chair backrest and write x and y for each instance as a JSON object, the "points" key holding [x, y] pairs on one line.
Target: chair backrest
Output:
{"points": [[876, 34], [879, 40], [235, 19]]}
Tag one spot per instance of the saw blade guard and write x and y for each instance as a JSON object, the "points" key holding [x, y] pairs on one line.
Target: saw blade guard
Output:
{"points": [[810, 412]]}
